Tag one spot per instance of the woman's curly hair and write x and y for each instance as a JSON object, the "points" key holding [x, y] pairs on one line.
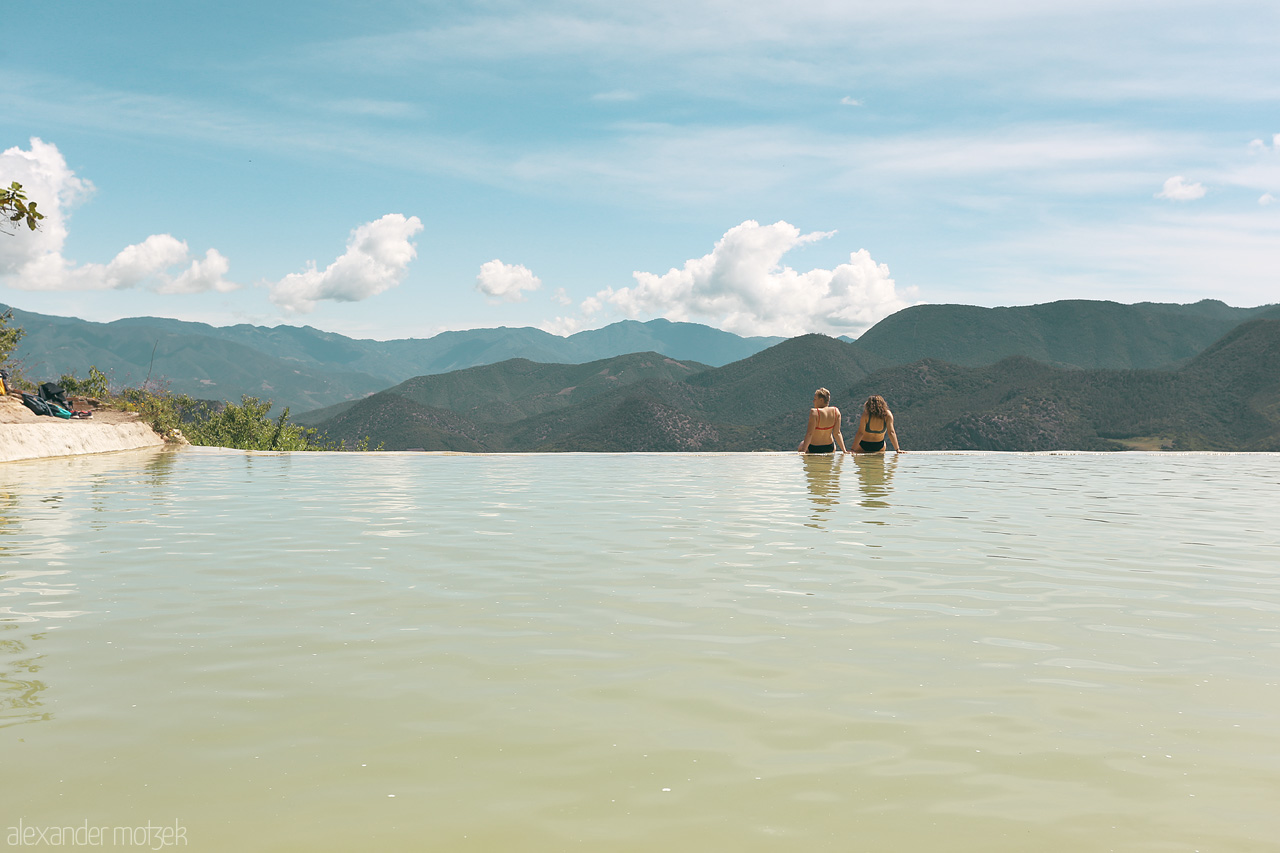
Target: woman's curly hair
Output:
{"points": [[876, 407]]}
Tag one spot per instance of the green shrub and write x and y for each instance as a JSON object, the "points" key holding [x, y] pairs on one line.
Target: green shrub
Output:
{"points": [[161, 409], [247, 427], [9, 338], [95, 386]]}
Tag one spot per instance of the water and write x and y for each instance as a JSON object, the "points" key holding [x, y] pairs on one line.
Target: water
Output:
{"points": [[389, 652]]}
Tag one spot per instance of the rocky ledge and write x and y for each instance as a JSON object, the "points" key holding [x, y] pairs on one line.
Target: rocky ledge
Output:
{"points": [[26, 435]]}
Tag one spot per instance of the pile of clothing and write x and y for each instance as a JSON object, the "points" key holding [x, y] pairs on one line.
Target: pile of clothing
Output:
{"points": [[52, 401]]}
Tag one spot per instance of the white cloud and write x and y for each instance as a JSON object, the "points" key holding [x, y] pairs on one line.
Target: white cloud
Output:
{"points": [[562, 296], [562, 326], [850, 102], [33, 260], [1257, 146], [139, 262], [47, 180], [506, 282], [742, 286], [202, 275], [377, 257], [614, 96], [1177, 189], [1266, 199]]}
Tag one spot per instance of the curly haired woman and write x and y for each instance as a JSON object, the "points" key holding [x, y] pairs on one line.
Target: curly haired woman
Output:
{"points": [[875, 427]]}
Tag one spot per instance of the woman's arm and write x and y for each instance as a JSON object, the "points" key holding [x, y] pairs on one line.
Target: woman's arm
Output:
{"points": [[839, 435], [858, 435], [808, 433], [890, 433]]}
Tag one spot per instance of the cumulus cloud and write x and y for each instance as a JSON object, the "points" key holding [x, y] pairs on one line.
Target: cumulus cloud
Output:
{"points": [[1177, 189], [743, 287], [202, 275], [562, 326], [47, 180], [34, 261], [1266, 199], [1257, 146], [377, 257], [506, 282], [850, 102]]}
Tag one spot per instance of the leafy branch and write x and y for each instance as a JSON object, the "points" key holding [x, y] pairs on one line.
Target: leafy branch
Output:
{"points": [[14, 207]]}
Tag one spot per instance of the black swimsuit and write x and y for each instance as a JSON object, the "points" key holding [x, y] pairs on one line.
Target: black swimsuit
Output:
{"points": [[873, 446]]}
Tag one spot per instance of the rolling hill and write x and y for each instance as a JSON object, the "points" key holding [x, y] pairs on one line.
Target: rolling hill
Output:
{"points": [[1073, 374], [1226, 398], [1072, 333], [307, 369]]}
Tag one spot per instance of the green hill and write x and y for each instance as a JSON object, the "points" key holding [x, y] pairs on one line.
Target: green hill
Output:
{"points": [[308, 369], [1072, 333], [782, 378], [394, 423], [517, 388], [1054, 376], [203, 367], [1227, 398], [484, 403]]}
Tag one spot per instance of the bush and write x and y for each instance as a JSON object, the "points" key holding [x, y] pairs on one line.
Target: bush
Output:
{"points": [[247, 427], [244, 427], [9, 338], [95, 386], [161, 409]]}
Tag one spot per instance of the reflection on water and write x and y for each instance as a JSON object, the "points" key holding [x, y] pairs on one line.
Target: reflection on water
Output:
{"points": [[44, 531], [822, 475], [639, 652], [19, 689], [875, 473]]}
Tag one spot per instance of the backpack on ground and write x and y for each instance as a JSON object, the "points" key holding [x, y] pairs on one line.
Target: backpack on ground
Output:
{"points": [[44, 407], [53, 393]]}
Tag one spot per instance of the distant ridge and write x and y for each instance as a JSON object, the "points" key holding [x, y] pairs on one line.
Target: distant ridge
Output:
{"points": [[1053, 376], [1227, 398], [308, 369], [783, 376], [1071, 333], [497, 394]]}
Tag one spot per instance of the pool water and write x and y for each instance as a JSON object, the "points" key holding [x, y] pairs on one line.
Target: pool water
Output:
{"points": [[406, 652]]}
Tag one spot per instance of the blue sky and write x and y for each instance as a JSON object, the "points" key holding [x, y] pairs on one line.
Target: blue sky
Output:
{"points": [[394, 169]]}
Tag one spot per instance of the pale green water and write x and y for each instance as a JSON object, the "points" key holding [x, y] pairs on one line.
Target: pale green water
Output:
{"points": [[648, 652]]}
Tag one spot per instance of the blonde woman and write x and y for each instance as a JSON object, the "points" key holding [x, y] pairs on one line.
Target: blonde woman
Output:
{"points": [[875, 428], [823, 434]]}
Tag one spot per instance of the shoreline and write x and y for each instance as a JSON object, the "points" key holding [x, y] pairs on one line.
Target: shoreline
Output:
{"points": [[25, 435]]}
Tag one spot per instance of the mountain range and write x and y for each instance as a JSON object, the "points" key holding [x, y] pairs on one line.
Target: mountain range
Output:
{"points": [[1225, 398], [1072, 333], [1073, 374], [305, 368]]}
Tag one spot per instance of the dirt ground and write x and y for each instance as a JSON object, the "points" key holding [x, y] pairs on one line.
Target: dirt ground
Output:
{"points": [[13, 412]]}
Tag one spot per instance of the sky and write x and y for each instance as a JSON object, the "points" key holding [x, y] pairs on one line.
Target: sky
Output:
{"points": [[396, 168]]}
